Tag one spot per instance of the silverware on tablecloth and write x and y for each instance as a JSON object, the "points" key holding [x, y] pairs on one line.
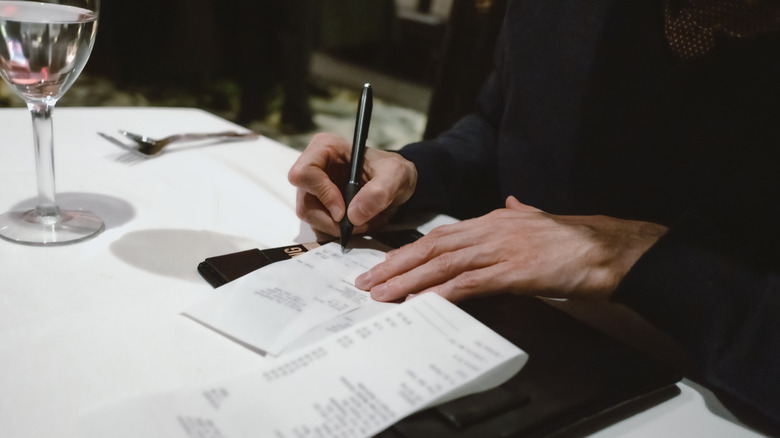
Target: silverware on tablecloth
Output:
{"points": [[150, 146]]}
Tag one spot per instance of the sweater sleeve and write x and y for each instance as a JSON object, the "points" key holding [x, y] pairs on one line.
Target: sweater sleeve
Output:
{"points": [[457, 170], [713, 283]]}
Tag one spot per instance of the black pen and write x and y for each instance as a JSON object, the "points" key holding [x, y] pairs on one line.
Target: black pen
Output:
{"points": [[356, 160]]}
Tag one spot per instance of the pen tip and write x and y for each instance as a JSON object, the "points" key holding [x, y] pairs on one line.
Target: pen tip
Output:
{"points": [[345, 233], [343, 242]]}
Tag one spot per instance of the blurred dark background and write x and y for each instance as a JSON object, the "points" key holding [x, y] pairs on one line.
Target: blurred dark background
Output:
{"points": [[246, 61]]}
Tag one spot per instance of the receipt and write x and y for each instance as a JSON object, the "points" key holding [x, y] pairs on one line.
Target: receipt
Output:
{"points": [[354, 383], [275, 306]]}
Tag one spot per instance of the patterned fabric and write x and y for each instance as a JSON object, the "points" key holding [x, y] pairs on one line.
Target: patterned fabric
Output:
{"points": [[693, 27]]}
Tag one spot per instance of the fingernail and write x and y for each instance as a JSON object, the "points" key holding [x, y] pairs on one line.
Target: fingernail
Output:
{"points": [[377, 292], [337, 214], [363, 280]]}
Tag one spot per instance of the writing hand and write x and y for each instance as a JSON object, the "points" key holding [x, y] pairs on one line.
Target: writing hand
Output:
{"points": [[517, 249], [323, 168]]}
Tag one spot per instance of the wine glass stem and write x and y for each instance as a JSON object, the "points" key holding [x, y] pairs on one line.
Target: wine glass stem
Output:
{"points": [[44, 158]]}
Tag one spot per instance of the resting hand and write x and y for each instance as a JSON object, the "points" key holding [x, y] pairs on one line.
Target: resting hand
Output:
{"points": [[517, 249], [388, 181]]}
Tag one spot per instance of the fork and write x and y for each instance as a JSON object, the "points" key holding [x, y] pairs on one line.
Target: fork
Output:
{"points": [[151, 146]]}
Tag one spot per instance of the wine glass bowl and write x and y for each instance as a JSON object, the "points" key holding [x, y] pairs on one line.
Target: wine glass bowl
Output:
{"points": [[44, 45]]}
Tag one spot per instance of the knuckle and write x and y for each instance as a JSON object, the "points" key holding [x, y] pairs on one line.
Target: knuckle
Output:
{"points": [[322, 139], [319, 138], [379, 196], [391, 254], [436, 232], [442, 262], [332, 144], [425, 248], [295, 174], [327, 195], [468, 281]]}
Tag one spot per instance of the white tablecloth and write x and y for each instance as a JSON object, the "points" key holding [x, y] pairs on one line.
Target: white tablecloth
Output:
{"points": [[100, 320]]}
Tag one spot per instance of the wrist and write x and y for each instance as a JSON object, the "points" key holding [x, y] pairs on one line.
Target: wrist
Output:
{"points": [[619, 245]]}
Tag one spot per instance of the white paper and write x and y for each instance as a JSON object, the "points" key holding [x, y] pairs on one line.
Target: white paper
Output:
{"points": [[273, 307], [351, 384]]}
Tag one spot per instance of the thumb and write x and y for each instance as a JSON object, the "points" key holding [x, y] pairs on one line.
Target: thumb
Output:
{"points": [[370, 201]]}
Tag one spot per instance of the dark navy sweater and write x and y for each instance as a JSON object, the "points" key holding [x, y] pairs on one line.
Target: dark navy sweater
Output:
{"points": [[589, 112]]}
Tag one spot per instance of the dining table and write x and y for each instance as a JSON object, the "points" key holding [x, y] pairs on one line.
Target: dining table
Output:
{"points": [[99, 321]]}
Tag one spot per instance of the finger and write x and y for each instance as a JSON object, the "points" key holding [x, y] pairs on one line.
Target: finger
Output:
{"points": [[317, 183], [310, 210], [397, 262], [441, 239], [390, 181], [486, 280], [372, 199], [315, 171], [438, 270]]}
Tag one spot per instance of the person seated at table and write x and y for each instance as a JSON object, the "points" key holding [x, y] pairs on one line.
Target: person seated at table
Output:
{"points": [[271, 44], [625, 151]]}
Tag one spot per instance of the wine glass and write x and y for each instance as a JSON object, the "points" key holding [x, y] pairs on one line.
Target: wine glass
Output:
{"points": [[45, 45]]}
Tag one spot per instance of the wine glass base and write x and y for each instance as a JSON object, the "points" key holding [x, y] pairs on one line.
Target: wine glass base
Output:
{"points": [[69, 226]]}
